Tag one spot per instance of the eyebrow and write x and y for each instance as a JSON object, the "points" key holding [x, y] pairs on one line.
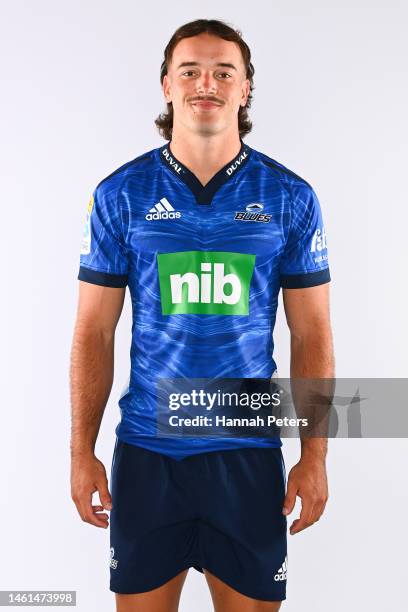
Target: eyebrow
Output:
{"points": [[223, 64]]}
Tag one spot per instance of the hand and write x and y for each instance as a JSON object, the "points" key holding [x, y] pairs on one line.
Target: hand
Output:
{"points": [[308, 480], [87, 476]]}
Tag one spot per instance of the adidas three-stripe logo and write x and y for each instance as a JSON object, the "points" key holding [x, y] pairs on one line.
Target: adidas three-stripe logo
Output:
{"points": [[281, 575], [162, 210]]}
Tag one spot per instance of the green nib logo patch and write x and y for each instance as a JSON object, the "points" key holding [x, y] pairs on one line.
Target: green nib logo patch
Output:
{"points": [[205, 282]]}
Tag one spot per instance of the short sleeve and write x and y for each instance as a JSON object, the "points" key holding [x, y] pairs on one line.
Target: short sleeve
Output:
{"points": [[304, 261], [103, 256]]}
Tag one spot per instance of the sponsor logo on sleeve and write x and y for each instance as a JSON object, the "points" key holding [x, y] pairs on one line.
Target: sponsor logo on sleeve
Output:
{"points": [[319, 241], [86, 238], [319, 244]]}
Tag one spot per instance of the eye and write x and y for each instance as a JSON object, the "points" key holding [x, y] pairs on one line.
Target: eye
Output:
{"points": [[226, 74], [188, 72]]}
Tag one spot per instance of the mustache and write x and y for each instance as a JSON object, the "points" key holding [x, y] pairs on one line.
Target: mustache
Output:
{"points": [[205, 99]]}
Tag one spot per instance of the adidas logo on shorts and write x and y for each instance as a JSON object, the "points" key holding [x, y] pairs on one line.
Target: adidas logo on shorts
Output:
{"points": [[162, 210], [281, 575]]}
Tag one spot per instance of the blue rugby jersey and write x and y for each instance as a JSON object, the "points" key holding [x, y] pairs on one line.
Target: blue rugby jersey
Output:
{"points": [[204, 266]]}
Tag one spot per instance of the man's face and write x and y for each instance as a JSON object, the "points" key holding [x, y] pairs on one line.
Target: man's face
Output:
{"points": [[206, 83]]}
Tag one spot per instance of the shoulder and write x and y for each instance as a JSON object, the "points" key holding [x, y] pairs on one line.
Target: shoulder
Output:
{"points": [[281, 172], [114, 182], [303, 202]]}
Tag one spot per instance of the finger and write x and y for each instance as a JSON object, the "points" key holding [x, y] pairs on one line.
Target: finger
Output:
{"points": [[290, 498], [104, 495], [318, 510], [103, 517], [87, 514], [293, 528], [97, 520], [98, 511], [83, 503], [305, 517], [314, 515]]}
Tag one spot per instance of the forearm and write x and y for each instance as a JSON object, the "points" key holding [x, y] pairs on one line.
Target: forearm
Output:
{"points": [[312, 358], [91, 377]]}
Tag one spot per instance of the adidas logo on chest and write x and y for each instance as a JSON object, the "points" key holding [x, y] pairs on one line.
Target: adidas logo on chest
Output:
{"points": [[162, 210]]}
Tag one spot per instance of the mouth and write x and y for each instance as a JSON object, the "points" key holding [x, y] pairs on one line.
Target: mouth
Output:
{"points": [[205, 104]]}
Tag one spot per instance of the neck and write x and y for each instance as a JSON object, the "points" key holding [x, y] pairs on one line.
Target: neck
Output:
{"points": [[204, 155]]}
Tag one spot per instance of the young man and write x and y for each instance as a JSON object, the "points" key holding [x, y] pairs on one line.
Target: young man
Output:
{"points": [[205, 231]]}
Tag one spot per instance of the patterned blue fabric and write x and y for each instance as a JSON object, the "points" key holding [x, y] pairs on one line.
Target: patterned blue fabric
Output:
{"points": [[154, 205]]}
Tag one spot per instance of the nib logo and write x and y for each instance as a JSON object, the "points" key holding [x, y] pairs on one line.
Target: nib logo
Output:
{"points": [[205, 282]]}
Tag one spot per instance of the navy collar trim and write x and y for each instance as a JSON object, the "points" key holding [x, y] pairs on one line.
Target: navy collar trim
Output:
{"points": [[204, 193]]}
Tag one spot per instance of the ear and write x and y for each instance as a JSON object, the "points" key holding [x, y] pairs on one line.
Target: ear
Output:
{"points": [[166, 88], [245, 92]]}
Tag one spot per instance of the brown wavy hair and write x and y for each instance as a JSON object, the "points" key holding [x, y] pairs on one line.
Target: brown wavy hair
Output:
{"points": [[164, 121]]}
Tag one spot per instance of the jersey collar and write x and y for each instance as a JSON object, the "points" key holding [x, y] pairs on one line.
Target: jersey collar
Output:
{"points": [[205, 193]]}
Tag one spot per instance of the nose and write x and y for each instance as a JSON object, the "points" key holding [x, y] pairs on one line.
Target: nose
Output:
{"points": [[206, 83]]}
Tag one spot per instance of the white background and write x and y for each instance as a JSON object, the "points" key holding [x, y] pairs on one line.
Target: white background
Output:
{"points": [[80, 91]]}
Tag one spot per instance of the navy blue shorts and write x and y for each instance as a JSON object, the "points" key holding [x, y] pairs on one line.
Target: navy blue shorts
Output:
{"points": [[221, 511]]}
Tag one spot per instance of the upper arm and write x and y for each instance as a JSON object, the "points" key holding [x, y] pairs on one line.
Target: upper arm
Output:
{"points": [[307, 310], [99, 307], [304, 267], [304, 262], [103, 272]]}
